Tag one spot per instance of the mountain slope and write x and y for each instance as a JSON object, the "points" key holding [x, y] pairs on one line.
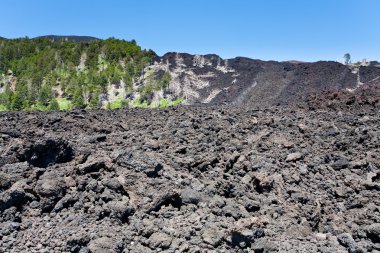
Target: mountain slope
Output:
{"points": [[114, 73], [211, 79]]}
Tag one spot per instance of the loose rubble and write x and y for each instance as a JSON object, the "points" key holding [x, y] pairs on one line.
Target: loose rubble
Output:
{"points": [[190, 179]]}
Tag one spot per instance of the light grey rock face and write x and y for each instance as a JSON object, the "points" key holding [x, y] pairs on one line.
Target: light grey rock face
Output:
{"points": [[191, 179]]}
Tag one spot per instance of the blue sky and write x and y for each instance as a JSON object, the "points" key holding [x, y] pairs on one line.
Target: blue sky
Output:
{"points": [[307, 30]]}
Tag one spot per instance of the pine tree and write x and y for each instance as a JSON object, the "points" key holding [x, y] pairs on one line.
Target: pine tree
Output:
{"points": [[54, 105], [94, 100], [20, 97], [45, 95], [4, 97], [165, 80], [8, 94], [78, 100], [17, 101]]}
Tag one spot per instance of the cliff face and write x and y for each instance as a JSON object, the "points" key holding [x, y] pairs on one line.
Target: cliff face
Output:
{"points": [[213, 80]]}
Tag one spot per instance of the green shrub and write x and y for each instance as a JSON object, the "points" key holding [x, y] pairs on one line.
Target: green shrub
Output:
{"points": [[64, 104], [53, 105]]}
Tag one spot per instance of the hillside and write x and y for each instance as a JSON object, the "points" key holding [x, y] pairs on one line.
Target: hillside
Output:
{"points": [[211, 79], [39, 73], [52, 72]]}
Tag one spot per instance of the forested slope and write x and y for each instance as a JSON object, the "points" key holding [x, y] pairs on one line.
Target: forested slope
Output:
{"points": [[44, 74]]}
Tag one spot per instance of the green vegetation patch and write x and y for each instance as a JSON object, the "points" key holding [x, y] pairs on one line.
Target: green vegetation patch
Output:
{"points": [[164, 103], [64, 104], [117, 104], [177, 101]]}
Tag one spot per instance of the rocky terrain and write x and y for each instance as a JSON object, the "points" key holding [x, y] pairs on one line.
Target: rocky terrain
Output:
{"points": [[270, 157], [210, 79], [194, 178]]}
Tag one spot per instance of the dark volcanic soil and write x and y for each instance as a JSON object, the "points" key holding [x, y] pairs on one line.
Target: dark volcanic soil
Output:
{"points": [[190, 179], [211, 79]]}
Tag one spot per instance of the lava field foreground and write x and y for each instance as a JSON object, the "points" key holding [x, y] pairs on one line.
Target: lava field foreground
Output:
{"points": [[190, 179]]}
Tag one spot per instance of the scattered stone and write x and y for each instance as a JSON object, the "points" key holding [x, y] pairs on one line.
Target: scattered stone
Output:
{"points": [[213, 236], [121, 210], [373, 232], [14, 133], [91, 166], [5, 182], [159, 240], [341, 163], [15, 196], [321, 236], [190, 196], [105, 245], [50, 189], [346, 240], [294, 157]]}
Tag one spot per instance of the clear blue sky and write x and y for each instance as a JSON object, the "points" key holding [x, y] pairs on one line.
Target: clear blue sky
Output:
{"points": [[308, 30]]}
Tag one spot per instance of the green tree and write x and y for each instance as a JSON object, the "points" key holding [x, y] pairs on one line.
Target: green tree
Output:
{"points": [[78, 99], [128, 82], [54, 105], [94, 99], [5, 97], [17, 101], [165, 80], [45, 95], [20, 97]]}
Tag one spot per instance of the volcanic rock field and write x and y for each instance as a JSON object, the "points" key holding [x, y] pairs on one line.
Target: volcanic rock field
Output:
{"points": [[190, 179]]}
